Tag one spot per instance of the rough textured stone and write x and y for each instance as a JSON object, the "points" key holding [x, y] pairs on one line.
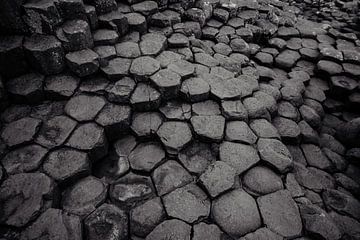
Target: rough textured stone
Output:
{"points": [[24, 196], [84, 107], [188, 203], [240, 156], [174, 135], [238, 131], [145, 97], [209, 127], [171, 229], [244, 215], [280, 213], [83, 62], [115, 220], [169, 176]]}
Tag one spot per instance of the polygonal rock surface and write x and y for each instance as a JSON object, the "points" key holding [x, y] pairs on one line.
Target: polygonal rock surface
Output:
{"points": [[195, 89], [89, 137], [20, 131], [218, 178], [146, 156], [145, 97], [26, 88], [55, 131], [207, 231], [130, 190], [121, 90], [85, 196], [117, 68], [280, 213], [342, 203], [168, 82], [143, 67], [236, 213], [209, 127], [115, 220], [84, 107], [238, 131], [24, 196], [83, 62], [275, 152], [66, 164], [145, 217], [188, 203], [169, 176], [61, 86], [174, 135], [240, 156], [262, 233], [146, 124], [261, 180], [24, 159], [168, 229], [55, 224]]}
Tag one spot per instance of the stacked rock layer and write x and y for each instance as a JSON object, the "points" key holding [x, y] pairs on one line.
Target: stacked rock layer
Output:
{"points": [[206, 119]]}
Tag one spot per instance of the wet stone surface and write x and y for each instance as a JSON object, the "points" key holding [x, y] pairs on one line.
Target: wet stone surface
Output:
{"points": [[184, 120]]}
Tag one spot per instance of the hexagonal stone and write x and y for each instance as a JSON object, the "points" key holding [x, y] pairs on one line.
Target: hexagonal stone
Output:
{"points": [[197, 157], [61, 86], [262, 233], [105, 37], [84, 196], [143, 67], [20, 131], [264, 129], [209, 127], [342, 203], [168, 229], [169, 176], [137, 22], [261, 180], [45, 53], [287, 110], [287, 59], [77, 35], [54, 223], [66, 164], [15, 112], [206, 60], [115, 119], [313, 178], [84, 107], [48, 110], [234, 110], [83, 62], [178, 40], [206, 108], [146, 124], [275, 153], [120, 91], [188, 203], [238, 131], [115, 220], [174, 135], [280, 213], [244, 215], [145, 217], [254, 107], [96, 84], [218, 178], [24, 159], [117, 68], [26, 88], [168, 83], [289, 131], [152, 43], [106, 53], [317, 221], [145, 97], [131, 190], [331, 53], [146, 156], [195, 89], [128, 50], [240, 156], [315, 157], [165, 18], [176, 111], [89, 137], [24, 196], [182, 67], [342, 84], [310, 116], [328, 67]]}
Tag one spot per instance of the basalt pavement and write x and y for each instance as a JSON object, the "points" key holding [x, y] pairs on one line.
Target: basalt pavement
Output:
{"points": [[159, 120]]}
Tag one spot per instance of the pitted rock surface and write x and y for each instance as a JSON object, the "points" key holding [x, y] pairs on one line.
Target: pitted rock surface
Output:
{"points": [[180, 119]]}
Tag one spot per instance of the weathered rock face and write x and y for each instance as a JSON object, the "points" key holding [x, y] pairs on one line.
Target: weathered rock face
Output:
{"points": [[170, 119]]}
